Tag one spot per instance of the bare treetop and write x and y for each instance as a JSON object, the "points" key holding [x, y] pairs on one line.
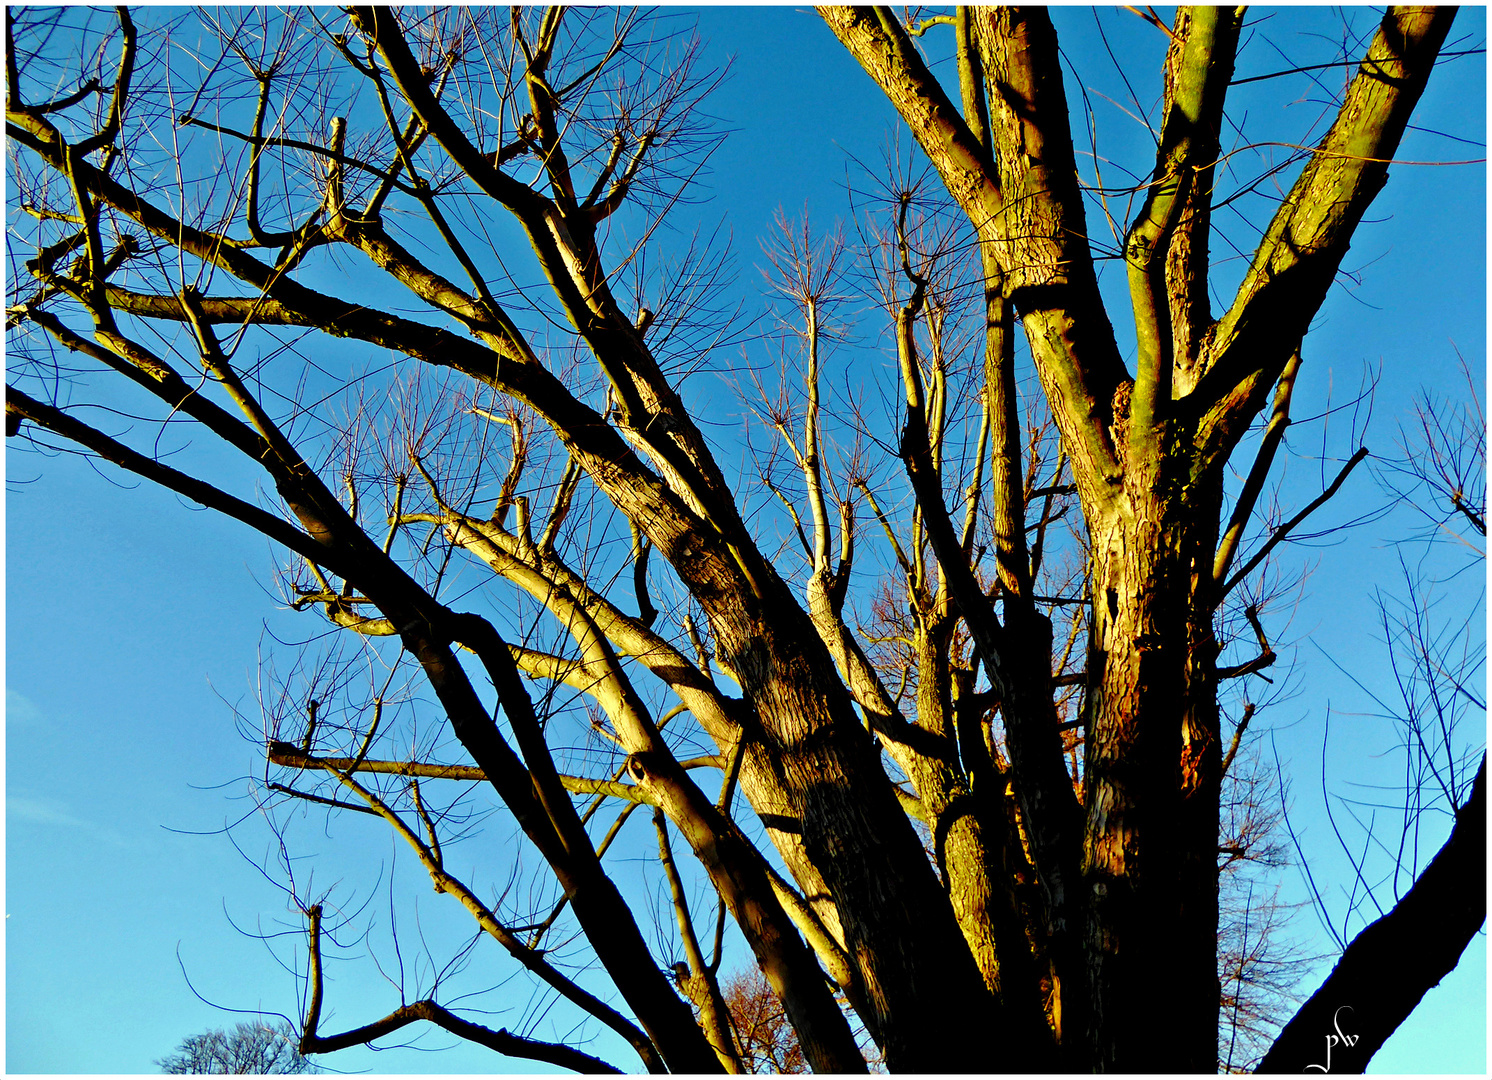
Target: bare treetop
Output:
{"points": [[253, 1048]]}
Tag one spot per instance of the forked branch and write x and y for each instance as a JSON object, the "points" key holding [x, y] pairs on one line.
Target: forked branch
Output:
{"points": [[502, 1040], [1281, 533]]}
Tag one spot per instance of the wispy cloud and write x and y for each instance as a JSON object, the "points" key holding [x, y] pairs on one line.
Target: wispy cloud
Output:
{"points": [[25, 813], [20, 711], [42, 812]]}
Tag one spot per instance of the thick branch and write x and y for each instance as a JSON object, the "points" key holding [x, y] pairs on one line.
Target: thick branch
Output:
{"points": [[876, 39], [597, 902], [1041, 240], [739, 875], [502, 1040], [1388, 968], [697, 978], [122, 79], [293, 757], [19, 404], [1304, 245], [1186, 260], [1199, 67], [1019, 671], [1014, 562]]}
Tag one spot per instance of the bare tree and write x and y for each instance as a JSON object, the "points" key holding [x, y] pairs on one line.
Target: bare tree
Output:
{"points": [[260, 1049], [977, 803], [767, 1041]]}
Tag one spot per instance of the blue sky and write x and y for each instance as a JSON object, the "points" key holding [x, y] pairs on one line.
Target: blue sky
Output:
{"points": [[135, 622]]}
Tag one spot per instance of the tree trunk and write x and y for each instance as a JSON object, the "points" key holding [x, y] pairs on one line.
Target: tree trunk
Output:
{"points": [[918, 975], [1152, 778]]}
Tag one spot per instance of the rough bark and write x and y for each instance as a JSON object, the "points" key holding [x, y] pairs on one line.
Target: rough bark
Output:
{"points": [[1152, 761], [1298, 259], [1068, 929], [853, 830], [1146, 452]]}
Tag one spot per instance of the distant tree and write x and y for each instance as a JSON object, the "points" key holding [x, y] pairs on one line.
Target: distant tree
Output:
{"points": [[766, 1038], [259, 1048]]}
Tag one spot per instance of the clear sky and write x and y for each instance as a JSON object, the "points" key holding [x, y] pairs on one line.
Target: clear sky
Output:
{"points": [[135, 622]]}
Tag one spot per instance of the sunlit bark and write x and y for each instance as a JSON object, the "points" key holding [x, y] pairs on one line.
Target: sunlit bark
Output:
{"points": [[1064, 914]]}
